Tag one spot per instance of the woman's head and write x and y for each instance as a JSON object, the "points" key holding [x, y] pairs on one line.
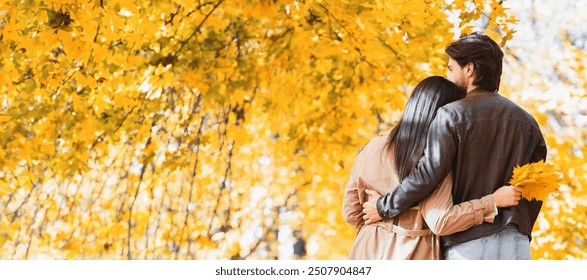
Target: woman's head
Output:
{"points": [[409, 136]]}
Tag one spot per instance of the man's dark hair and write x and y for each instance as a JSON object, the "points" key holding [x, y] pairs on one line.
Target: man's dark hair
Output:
{"points": [[484, 53]]}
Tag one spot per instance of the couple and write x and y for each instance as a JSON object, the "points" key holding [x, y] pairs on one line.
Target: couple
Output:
{"points": [[441, 170]]}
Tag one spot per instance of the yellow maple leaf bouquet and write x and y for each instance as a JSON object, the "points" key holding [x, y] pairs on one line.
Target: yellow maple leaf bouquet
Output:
{"points": [[537, 179]]}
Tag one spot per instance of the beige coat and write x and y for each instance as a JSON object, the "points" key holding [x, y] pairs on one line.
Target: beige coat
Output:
{"points": [[413, 234]]}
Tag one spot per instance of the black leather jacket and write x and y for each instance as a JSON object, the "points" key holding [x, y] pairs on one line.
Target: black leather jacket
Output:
{"points": [[481, 138]]}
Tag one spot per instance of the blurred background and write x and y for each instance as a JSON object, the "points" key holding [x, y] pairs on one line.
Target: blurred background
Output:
{"points": [[226, 129]]}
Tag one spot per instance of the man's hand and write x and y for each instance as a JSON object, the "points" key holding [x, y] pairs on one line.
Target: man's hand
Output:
{"points": [[370, 208]]}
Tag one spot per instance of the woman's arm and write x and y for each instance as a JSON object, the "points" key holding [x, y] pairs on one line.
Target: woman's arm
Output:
{"points": [[352, 210], [444, 218]]}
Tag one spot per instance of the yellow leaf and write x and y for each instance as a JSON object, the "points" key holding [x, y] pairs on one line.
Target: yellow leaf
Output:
{"points": [[78, 103], [123, 101], [3, 239], [538, 180]]}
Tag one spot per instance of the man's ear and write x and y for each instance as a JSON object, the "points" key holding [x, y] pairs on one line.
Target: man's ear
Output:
{"points": [[470, 69]]}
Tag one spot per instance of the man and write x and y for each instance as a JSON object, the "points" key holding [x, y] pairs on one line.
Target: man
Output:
{"points": [[481, 138]]}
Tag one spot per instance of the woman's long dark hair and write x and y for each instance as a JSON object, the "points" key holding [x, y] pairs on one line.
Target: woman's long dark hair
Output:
{"points": [[409, 135]]}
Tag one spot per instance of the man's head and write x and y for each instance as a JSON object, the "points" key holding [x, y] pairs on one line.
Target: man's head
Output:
{"points": [[475, 62]]}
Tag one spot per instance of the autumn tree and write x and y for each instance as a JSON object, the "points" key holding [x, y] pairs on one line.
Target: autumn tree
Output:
{"points": [[203, 129]]}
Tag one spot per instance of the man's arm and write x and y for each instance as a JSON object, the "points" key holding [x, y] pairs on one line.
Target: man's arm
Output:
{"points": [[432, 168], [540, 151]]}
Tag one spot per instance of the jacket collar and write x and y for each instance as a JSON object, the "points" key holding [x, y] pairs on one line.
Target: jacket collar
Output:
{"points": [[479, 91]]}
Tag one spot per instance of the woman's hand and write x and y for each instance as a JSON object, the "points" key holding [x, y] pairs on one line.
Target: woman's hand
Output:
{"points": [[507, 196]]}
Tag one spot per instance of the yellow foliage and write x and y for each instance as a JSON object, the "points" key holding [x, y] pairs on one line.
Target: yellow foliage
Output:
{"points": [[154, 130], [537, 179]]}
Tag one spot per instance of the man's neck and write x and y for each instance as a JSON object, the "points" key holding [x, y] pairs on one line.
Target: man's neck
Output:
{"points": [[473, 89]]}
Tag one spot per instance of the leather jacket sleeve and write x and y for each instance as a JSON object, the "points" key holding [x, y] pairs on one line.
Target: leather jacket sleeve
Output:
{"points": [[432, 168], [540, 151]]}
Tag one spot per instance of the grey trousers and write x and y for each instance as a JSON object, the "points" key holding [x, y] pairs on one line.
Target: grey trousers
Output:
{"points": [[508, 244]]}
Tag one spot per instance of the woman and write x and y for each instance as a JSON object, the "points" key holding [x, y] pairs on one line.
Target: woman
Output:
{"points": [[388, 159]]}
